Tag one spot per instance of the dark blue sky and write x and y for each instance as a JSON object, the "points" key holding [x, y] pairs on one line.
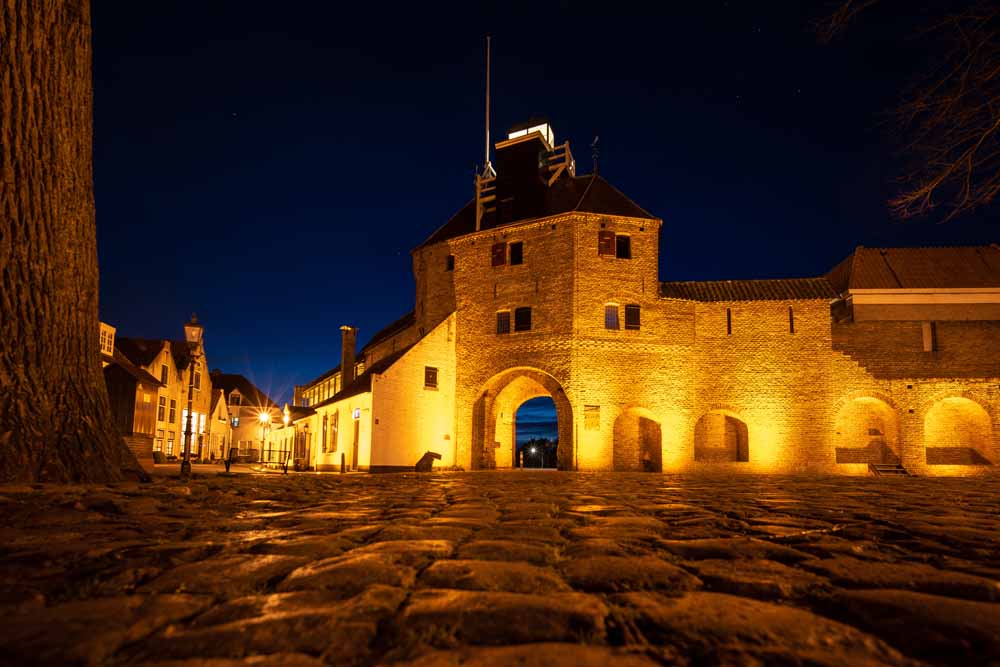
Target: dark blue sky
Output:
{"points": [[271, 165]]}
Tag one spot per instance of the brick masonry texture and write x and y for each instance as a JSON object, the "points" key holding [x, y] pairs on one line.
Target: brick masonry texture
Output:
{"points": [[500, 568], [810, 393]]}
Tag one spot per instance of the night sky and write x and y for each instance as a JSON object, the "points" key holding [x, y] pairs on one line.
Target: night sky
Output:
{"points": [[270, 165]]}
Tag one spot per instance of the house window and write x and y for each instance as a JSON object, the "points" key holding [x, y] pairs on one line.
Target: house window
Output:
{"points": [[617, 245], [503, 322], [323, 438], [611, 316], [170, 443], [430, 377], [334, 431], [234, 398], [591, 417], [161, 409], [173, 410], [357, 413], [632, 316], [522, 319], [197, 378], [623, 247], [158, 443], [164, 373], [517, 253], [498, 254], [449, 263]]}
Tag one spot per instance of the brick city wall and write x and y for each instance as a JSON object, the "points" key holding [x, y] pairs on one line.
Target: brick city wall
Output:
{"points": [[813, 396]]}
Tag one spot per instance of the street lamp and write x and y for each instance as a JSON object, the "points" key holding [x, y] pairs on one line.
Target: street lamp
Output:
{"points": [[193, 333], [265, 424], [535, 451]]}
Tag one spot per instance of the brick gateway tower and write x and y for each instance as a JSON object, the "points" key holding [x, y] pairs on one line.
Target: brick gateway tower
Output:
{"points": [[547, 284]]}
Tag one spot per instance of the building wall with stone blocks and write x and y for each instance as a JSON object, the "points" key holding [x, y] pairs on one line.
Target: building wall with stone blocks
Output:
{"points": [[768, 385]]}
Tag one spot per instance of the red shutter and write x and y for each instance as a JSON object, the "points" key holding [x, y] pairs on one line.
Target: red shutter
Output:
{"points": [[605, 243], [499, 254]]}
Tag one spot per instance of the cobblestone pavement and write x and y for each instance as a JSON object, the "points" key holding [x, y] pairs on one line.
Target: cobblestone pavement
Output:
{"points": [[504, 568]]}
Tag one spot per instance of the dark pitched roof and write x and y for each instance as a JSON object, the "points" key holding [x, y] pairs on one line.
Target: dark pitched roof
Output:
{"points": [[587, 194], [143, 351], [749, 290], [140, 351], [230, 381], [139, 374], [300, 411], [403, 323], [363, 383], [910, 268]]}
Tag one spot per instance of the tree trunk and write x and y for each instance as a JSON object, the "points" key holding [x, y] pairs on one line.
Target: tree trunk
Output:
{"points": [[55, 418]]}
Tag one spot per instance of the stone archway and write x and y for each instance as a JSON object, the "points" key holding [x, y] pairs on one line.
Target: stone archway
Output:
{"points": [[720, 437], [958, 431], [638, 442], [866, 431], [494, 414]]}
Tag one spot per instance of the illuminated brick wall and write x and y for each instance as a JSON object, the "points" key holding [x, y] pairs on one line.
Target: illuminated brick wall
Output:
{"points": [[815, 396]]}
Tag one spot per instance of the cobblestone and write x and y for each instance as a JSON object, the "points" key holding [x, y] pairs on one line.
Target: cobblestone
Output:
{"points": [[503, 568]]}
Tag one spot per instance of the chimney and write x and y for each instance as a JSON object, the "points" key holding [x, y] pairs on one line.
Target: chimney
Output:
{"points": [[348, 342]]}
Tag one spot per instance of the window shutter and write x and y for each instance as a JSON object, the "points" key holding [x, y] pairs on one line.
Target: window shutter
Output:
{"points": [[499, 254], [503, 322], [605, 243], [611, 317]]}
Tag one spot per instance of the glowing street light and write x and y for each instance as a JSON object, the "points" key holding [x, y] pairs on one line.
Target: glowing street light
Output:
{"points": [[265, 424]]}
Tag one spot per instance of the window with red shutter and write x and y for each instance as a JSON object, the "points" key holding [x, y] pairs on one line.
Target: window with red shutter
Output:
{"points": [[605, 243], [499, 254]]}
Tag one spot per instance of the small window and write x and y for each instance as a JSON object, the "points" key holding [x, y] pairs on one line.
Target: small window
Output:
{"points": [[161, 410], [164, 373], [522, 319], [449, 263], [729, 322], [158, 443], [170, 442], [605, 243], [430, 377], [503, 322], [357, 413], [173, 410], [791, 320], [611, 316], [236, 422], [623, 247], [234, 398], [197, 379], [632, 312], [334, 430], [517, 253], [498, 254]]}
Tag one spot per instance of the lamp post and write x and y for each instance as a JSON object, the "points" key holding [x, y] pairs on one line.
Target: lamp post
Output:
{"points": [[265, 423], [535, 451], [193, 333]]}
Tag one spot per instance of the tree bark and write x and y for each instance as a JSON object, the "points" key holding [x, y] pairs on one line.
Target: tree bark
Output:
{"points": [[55, 418]]}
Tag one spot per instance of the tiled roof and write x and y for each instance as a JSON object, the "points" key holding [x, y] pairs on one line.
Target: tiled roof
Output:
{"points": [[587, 194], [363, 383], [230, 381], [140, 351], [139, 374], [914, 268], [143, 351], [749, 290], [403, 323]]}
